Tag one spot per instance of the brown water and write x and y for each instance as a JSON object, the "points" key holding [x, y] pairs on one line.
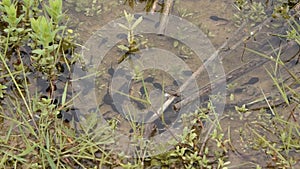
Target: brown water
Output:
{"points": [[246, 89]]}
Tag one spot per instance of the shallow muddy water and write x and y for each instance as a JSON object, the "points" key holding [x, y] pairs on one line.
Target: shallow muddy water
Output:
{"points": [[215, 19]]}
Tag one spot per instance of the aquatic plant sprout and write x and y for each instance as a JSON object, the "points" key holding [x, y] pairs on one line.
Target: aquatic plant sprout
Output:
{"points": [[151, 58]]}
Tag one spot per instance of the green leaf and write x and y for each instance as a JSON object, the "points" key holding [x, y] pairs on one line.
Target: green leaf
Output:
{"points": [[123, 26], [129, 17], [242, 109], [155, 162], [52, 47], [6, 2], [64, 96], [39, 51], [20, 18], [123, 47], [11, 16], [28, 3], [2, 90], [27, 150], [50, 160], [175, 44], [36, 58], [35, 25], [20, 29], [138, 21], [13, 39], [126, 14], [55, 10]]}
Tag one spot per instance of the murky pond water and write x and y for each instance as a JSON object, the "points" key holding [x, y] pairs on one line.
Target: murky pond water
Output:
{"points": [[178, 83], [215, 19]]}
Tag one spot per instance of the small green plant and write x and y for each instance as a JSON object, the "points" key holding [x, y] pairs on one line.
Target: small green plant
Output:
{"points": [[30, 45], [91, 7], [282, 9], [45, 35], [55, 11], [42, 33], [193, 151], [11, 16], [132, 45], [250, 12], [184, 13], [2, 90], [14, 30], [28, 4]]}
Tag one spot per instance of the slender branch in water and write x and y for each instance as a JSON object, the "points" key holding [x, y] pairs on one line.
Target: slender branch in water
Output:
{"points": [[233, 75], [238, 34], [239, 37], [194, 75], [164, 17]]}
